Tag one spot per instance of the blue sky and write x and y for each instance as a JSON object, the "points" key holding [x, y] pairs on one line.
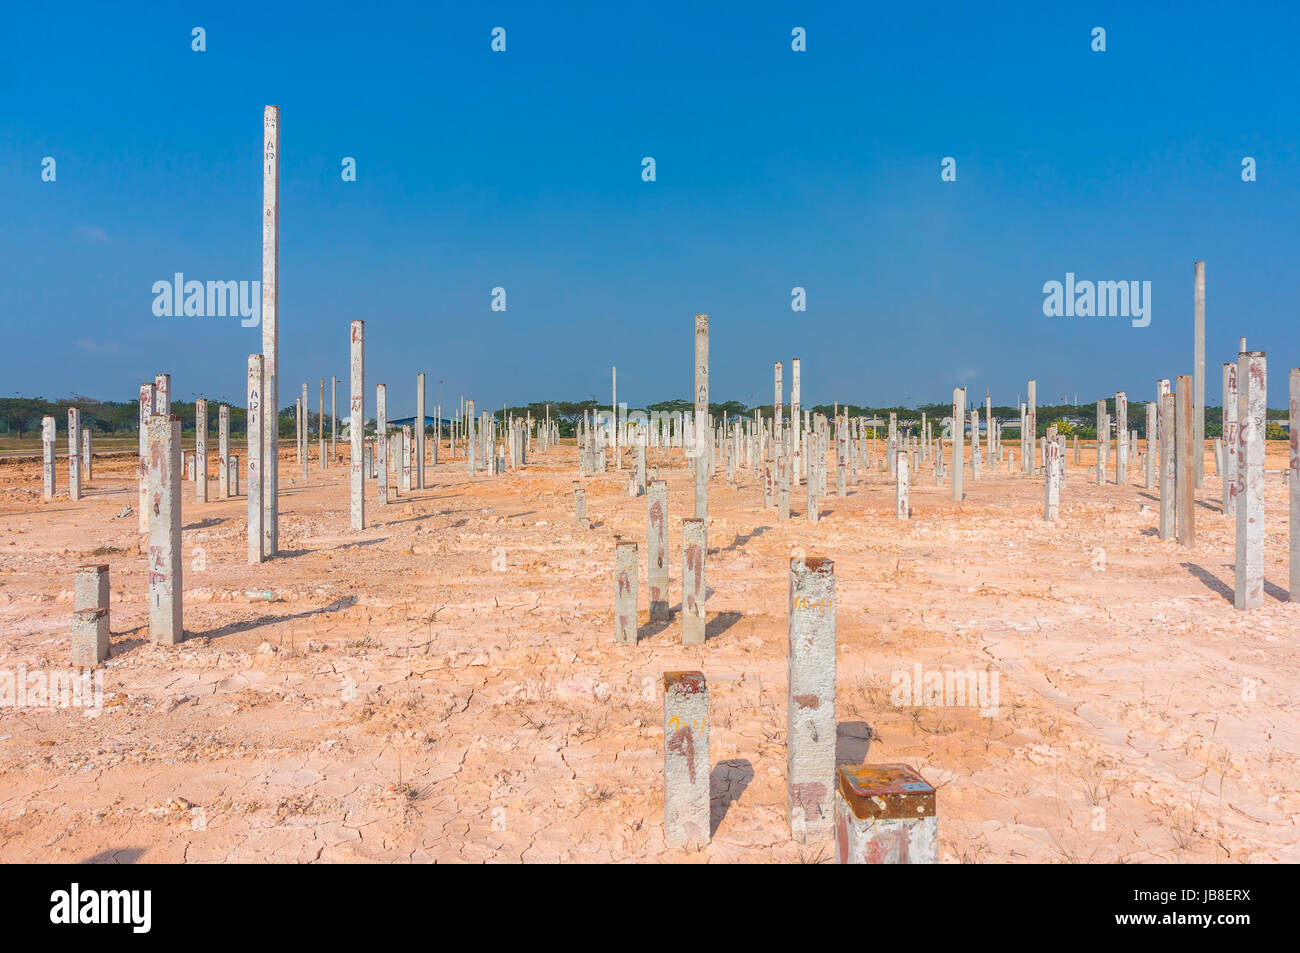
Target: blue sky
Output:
{"points": [[775, 169]]}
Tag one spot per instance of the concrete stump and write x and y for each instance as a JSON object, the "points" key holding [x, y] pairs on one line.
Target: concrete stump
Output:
{"points": [[686, 759], [657, 555], [256, 537], [902, 508], [1184, 465], [74, 454], [48, 436], [89, 637], [625, 594], [694, 547], [885, 814], [1252, 391], [810, 710], [165, 592], [90, 589], [357, 425]]}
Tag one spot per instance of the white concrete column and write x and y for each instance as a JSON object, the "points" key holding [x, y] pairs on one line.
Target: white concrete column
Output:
{"points": [[253, 450], [381, 444], [165, 580], [49, 434], [74, 454], [1184, 464], [1229, 418], [201, 450], [702, 439], [223, 451], [1293, 483], [419, 431], [625, 592], [146, 411], [271, 331], [958, 440], [1198, 371], [810, 709], [686, 759], [694, 547], [1252, 393], [357, 425], [902, 508]]}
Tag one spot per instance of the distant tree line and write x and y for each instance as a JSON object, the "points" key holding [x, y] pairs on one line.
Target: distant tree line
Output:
{"points": [[21, 416]]}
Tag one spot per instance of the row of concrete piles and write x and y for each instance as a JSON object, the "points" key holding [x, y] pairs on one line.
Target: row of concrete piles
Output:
{"points": [[881, 813], [878, 813]]}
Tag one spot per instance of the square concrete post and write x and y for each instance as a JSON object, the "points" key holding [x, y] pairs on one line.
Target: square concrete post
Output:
{"points": [[223, 451], [796, 424], [625, 592], [165, 592], [1121, 438], [1252, 392], [255, 443], [613, 406], [87, 458], [580, 507], [320, 426], [419, 431], [974, 445], [334, 417], [1031, 422], [813, 509], [1103, 442], [201, 450], [1229, 471], [234, 475], [90, 589], [694, 548], [306, 431], [162, 394], [657, 556], [146, 411], [74, 454], [702, 440], [404, 442], [381, 444], [1293, 483], [1152, 414], [776, 403], [357, 425], [471, 438], [49, 434], [1198, 370], [89, 637], [885, 814], [902, 507], [958, 440], [783, 467], [810, 709], [1052, 481], [270, 473], [1184, 451], [686, 759], [1168, 513]]}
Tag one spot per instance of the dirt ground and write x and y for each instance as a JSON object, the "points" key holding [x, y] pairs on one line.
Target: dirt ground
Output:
{"points": [[445, 685]]}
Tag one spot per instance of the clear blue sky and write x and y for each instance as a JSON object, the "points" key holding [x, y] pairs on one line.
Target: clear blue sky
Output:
{"points": [[774, 169]]}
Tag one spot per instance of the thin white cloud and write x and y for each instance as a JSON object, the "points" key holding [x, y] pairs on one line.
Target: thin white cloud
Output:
{"points": [[91, 233]]}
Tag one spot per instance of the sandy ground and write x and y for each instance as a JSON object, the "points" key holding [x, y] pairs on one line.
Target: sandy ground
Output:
{"points": [[445, 686]]}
